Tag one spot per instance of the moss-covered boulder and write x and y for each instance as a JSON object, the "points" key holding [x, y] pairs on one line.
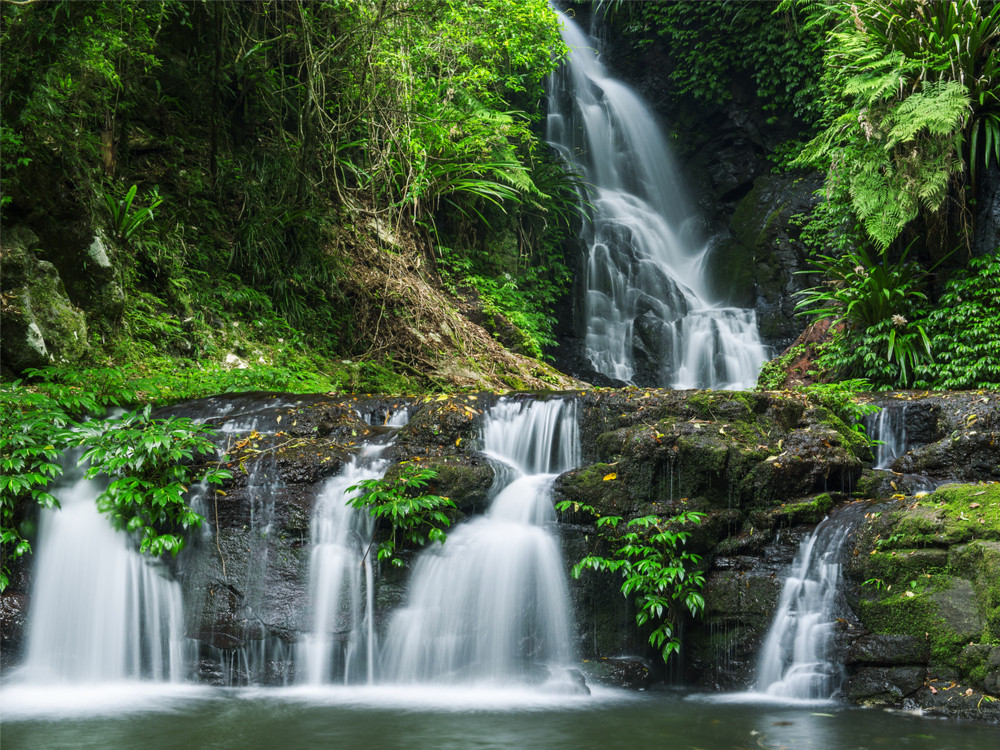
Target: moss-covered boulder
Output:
{"points": [[41, 326], [928, 568]]}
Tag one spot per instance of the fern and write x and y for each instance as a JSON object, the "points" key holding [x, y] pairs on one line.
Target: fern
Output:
{"points": [[939, 108]]}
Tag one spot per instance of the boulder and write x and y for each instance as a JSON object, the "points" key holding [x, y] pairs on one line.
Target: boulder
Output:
{"points": [[41, 325]]}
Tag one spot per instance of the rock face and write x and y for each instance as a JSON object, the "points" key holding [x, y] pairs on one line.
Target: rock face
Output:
{"points": [[764, 468], [41, 326], [927, 591]]}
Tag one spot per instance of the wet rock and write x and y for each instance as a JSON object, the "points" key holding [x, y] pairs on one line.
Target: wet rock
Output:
{"points": [[624, 672], [884, 686], [888, 650]]}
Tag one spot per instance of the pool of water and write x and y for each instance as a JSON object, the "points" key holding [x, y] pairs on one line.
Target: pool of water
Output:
{"points": [[186, 718]]}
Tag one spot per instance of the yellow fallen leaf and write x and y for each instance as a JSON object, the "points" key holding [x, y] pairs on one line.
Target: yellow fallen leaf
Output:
{"points": [[609, 477], [278, 420], [458, 440]]}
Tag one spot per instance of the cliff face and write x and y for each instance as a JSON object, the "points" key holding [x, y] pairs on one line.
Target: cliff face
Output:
{"points": [[763, 467]]}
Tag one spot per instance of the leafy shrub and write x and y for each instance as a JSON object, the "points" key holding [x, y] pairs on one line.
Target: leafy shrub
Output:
{"points": [[655, 567], [151, 461], [875, 299], [964, 329], [413, 516]]}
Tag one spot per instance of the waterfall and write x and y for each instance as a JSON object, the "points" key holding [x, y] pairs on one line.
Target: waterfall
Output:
{"points": [[888, 425], [100, 612], [340, 644], [795, 662], [490, 605], [644, 273]]}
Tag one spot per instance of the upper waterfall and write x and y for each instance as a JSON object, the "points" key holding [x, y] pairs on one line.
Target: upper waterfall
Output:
{"points": [[645, 277]]}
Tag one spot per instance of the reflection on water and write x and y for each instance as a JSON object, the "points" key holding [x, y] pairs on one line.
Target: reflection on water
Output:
{"points": [[373, 718]]}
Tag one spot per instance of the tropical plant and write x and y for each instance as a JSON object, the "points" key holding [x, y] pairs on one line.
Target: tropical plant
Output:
{"points": [[151, 463], [914, 92], [963, 330], [655, 568], [413, 517], [125, 218], [874, 300]]}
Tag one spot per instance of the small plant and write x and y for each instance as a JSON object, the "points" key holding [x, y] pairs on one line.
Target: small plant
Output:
{"points": [[656, 568], [124, 218], [413, 517], [876, 583], [151, 463]]}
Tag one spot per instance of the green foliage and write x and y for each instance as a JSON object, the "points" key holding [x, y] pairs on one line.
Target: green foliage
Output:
{"points": [[963, 329], [655, 568], [875, 300], [714, 47], [841, 397], [414, 517], [149, 460], [913, 92], [125, 218], [150, 463]]}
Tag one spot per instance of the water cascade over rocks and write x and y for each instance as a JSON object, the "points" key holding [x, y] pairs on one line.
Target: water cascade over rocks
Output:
{"points": [[796, 660], [490, 605], [340, 645], [888, 426], [100, 612], [647, 315]]}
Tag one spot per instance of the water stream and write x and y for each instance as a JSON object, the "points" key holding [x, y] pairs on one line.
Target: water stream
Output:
{"points": [[490, 605], [796, 661], [648, 314], [129, 626]]}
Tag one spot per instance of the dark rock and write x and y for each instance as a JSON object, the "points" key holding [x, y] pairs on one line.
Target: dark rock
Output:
{"points": [[884, 686], [623, 672], [888, 650]]}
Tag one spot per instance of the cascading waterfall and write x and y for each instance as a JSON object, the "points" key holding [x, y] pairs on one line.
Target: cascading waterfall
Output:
{"points": [[645, 276], [100, 612], [490, 605], [888, 426], [340, 644], [795, 660]]}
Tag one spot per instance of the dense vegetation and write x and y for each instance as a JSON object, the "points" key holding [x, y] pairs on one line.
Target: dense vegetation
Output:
{"points": [[269, 179]]}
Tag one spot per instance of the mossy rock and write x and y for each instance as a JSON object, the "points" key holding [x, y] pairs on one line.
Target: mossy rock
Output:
{"points": [[812, 510], [899, 567], [465, 480], [954, 514], [443, 425], [942, 609]]}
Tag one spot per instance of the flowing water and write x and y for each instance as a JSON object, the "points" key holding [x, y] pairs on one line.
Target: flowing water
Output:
{"points": [[795, 662], [887, 425], [644, 271], [490, 605], [340, 644], [129, 627]]}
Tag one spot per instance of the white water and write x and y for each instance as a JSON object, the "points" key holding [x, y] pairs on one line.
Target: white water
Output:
{"points": [[490, 605], [795, 660], [340, 644], [100, 612], [645, 274], [889, 427]]}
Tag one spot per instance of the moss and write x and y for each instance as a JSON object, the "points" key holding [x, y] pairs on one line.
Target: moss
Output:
{"points": [[954, 514], [899, 567], [913, 611]]}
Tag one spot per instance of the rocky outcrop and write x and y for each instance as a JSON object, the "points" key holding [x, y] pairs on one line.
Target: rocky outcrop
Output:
{"points": [[41, 326], [926, 575], [764, 468]]}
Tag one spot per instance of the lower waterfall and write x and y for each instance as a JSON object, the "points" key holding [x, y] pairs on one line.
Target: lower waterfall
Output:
{"points": [[490, 605], [129, 627], [795, 661]]}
